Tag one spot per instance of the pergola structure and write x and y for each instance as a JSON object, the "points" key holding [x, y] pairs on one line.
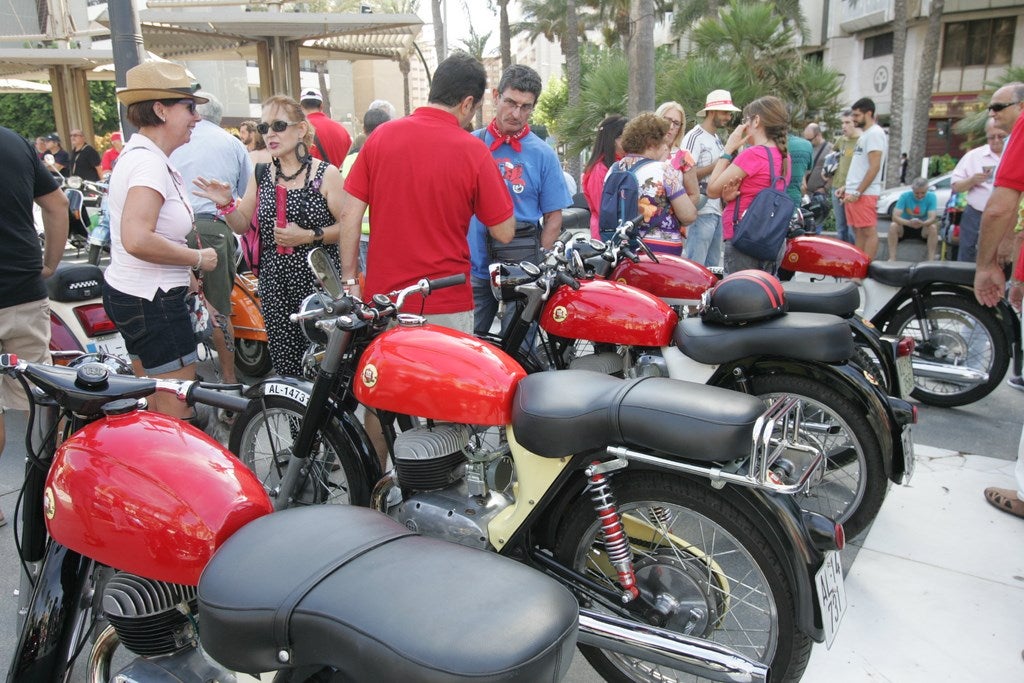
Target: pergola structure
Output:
{"points": [[183, 30]]}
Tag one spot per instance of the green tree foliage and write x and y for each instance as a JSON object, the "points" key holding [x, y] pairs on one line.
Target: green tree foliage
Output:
{"points": [[747, 49], [31, 114], [973, 125]]}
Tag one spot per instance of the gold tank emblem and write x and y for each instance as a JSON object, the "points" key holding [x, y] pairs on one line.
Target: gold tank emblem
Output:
{"points": [[793, 257], [49, 506], [560, 314], [370, 376]]}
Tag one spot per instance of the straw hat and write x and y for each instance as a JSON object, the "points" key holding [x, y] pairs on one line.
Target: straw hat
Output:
{"points": [[718, 100], [158, 80]]}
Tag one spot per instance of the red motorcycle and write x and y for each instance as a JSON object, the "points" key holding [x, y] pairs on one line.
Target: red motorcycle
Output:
{"points": [[962, 349], [667, 508], [135, 529], [617, 329]]}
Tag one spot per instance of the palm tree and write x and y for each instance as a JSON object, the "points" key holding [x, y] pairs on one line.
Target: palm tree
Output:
{"points": [[641, 57], [688, 12], [404, 64], [925, 84], [476, 45], [899, 60], [439, 40]]}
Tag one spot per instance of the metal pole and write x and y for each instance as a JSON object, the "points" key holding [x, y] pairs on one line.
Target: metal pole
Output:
{"points": [[126, 42]]}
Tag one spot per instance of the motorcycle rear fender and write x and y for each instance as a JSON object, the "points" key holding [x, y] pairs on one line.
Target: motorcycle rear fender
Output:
{"points": [[300, 390], [245, 315], [777, 516], [846, 379]]}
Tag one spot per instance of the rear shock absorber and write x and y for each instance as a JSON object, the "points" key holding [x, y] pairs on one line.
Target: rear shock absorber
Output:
{"points": [[616, 543]]}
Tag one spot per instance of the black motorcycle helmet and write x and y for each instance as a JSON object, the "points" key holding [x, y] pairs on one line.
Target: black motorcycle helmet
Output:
{"points": [[743, 297]]}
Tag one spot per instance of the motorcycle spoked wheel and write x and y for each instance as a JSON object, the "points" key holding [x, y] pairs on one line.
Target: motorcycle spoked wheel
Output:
{"points": [[853, 485], [963, 333], [706, 558], [252, 357], [262, 440]]}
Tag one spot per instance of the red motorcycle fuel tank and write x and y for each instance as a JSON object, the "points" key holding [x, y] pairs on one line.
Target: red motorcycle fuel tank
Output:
{"points": [[438, 373], [610, 313], [825, 256], [148, 494], [673, 278]]}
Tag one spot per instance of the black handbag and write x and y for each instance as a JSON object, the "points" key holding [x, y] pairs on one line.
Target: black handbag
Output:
{"points": [[525, 246]]}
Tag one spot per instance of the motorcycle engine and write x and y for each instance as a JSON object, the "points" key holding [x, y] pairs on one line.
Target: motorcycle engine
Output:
{"points": [[151, 618], [453, 481]]}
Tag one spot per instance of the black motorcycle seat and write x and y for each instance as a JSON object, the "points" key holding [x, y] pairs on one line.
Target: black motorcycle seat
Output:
{"points": [[75, 282], [813, 337], [346, 587], [836, 298], [911, 274], [556, 414]]}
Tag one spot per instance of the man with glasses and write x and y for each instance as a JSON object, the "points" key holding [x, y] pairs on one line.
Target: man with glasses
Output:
{"points": [[85, 161], [974, 174], [704, 236], [532, 175]]}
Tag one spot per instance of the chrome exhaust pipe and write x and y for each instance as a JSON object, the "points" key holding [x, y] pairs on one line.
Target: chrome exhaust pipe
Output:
{"points": [[949, 373], [98, 669], [693, 655]]}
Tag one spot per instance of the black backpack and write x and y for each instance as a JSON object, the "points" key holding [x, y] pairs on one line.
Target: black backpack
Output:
{"points": [[620, 197], [764, 225]]}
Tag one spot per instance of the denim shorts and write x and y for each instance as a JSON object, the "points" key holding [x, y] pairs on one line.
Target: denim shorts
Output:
{"points": [[158, 333]]}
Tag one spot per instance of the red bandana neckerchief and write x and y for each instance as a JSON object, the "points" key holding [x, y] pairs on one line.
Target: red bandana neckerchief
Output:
{"points": [[510, 140]]}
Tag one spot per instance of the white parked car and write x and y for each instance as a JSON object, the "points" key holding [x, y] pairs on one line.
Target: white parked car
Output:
{"points": [[940, 185]]}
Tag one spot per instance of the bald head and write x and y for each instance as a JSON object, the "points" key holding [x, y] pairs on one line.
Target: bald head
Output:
{"points": [[1005, 105], [812, 133]]}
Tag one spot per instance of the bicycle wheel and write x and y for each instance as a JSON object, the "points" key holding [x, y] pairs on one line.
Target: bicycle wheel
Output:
{"points": [[262, 438]]}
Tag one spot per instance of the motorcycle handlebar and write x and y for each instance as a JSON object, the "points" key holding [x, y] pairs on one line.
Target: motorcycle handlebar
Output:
{"points": [[561, 277], [449, 281], [216, 398]]}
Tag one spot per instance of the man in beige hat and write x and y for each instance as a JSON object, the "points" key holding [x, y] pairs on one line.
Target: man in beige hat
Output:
{"points": [[704, 237]]}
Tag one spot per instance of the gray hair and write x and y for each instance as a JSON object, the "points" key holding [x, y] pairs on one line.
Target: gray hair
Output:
{"points": [[384, 106], [211, 111], [919, 183], [522, 78]]}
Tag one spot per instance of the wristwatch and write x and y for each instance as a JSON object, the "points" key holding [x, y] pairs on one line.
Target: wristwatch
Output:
{"points": [[318, 234]]}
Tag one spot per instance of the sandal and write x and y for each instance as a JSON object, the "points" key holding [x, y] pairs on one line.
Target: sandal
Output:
{"points": [[1006, 500]]}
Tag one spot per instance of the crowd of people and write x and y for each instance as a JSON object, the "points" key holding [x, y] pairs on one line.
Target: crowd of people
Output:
{"points": [[295, 180]]}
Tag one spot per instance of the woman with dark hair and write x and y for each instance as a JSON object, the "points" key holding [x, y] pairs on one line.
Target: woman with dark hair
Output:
{"points": [[312, 190], [150, 219], [740, 175], [607, 150], [663, 202]]}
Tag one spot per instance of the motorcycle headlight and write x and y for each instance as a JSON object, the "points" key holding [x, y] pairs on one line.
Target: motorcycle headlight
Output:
{"points": [[311, 304]]}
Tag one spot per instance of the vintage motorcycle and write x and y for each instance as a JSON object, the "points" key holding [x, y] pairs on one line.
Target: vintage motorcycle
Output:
{"points": [[667, 508], [135, 529], [618, 329], [962, 349]]}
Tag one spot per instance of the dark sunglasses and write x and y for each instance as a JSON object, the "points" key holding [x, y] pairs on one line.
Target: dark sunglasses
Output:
{"points": [[997, 107], [277, 126], [189, 103]]}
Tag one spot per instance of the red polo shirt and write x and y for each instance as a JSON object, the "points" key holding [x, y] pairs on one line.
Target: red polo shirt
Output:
{"points": [[1011, 167], [424, 177], [332, 135]]}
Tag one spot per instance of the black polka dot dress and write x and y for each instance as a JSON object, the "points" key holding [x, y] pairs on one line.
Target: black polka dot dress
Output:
{"points": [[285, 279]]}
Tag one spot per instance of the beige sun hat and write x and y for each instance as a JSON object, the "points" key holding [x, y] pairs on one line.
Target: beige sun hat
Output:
{"points": [[158, 80], [718, 100]]}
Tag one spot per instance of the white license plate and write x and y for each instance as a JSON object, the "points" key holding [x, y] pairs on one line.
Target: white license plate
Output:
{"points": [[111, 343], [905, 373], [907, 438], [831, 595]]}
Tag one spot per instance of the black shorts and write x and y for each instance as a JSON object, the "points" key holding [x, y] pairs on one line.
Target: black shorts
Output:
{"points": [[158, 332]]}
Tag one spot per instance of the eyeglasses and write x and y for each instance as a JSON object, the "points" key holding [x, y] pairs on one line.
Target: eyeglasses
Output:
{"points": [[672, 122], [997, 107], [278, 126], [516, 106]]}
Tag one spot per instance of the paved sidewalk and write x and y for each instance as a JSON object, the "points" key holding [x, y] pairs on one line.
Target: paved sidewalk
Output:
{"points": [[936, 592]]}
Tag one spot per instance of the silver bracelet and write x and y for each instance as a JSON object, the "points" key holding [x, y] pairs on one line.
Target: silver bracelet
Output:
{"points": [[199, 263]]}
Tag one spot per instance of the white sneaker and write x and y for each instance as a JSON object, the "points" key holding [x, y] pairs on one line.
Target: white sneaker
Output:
{"points": [[1016, 382]]}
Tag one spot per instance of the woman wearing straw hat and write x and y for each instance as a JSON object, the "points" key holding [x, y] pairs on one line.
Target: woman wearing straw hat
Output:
{"points": [[151, 265]]}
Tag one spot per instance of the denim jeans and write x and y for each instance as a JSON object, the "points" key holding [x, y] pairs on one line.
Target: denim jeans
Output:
{"points": [[704, 240], [843, 230]]}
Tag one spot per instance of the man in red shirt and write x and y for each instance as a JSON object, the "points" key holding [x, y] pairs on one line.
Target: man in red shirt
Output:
{"points": [[110, 156], [997, 223], [331, 137], [424, 177]]}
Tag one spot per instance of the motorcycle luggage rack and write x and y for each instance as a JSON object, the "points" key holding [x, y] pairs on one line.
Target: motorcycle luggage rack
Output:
{"points": [[775, 437]]}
